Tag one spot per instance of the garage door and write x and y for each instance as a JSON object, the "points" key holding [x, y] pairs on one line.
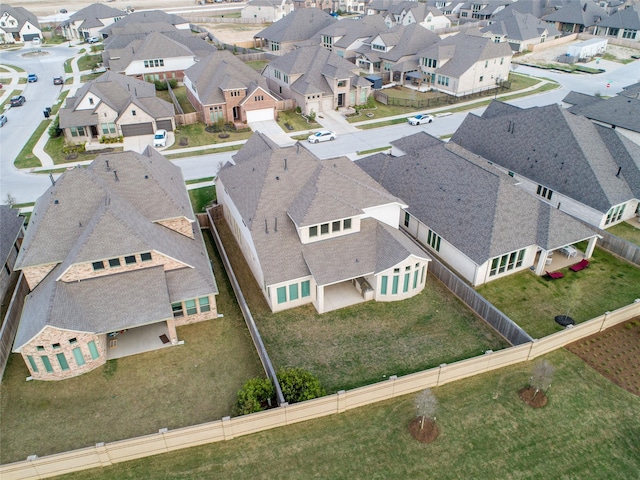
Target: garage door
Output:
{"points": [[260, 115], [30, 36], [165, 125], [137, 129]]}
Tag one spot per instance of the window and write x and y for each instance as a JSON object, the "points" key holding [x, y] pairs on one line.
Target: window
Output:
{"points": [[383, 285], [258, 98], [433, 240], [501, 60], [486, 63], [506, 262], [544, 192], [108, 128], [275, 46], [77, 355], [90, 101], [145, 257], [430, 62], [422, 274], [324, 228], [98, 266], [93, 350], [73, 340], [77, 131], [216, 114], [191, 307], [342, 83], [394, 286], [443, 81], [56, 345], [628, 33], [346, 224], [40, 348], [405, 286], [293, 291], [129, 259], [285, 78], [614, 214], [313, 231], [277, 74], [133, 113], [282, 294], [415, 279], [114, 262], [46, 363], [406, 219], [32, 362], [305, 288], [481, 78], [335, 226], [177, 309], [204, 304]]}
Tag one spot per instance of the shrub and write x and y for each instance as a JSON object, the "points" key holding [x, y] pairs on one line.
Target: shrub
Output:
{"points": [[256, 395], [298, 110], [162, 84], [54, 129], [299, 385]]}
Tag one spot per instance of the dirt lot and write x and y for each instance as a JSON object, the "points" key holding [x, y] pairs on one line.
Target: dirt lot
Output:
{"points": [[551, 54]]}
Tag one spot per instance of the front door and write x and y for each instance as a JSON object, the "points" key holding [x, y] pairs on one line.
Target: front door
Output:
{"points": [[341, 99], [236, 113], [94, 131]]}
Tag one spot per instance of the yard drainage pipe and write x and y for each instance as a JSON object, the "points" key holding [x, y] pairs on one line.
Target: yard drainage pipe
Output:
{"points": [[246, 313]]}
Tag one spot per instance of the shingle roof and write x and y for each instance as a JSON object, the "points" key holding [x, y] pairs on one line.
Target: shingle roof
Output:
{"points": [[518, 26], [619, 111], [222, 71], [350, 30], [561, 151], [301, 24], [577, 98], [111, 209], [141, 19], [21, 15], [474, 207], [627, 18], [11, 222], [274, 187], [579, 12], [91, 15]]}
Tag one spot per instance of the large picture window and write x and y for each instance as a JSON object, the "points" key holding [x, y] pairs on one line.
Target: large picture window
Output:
{"points": [[506, 262]]}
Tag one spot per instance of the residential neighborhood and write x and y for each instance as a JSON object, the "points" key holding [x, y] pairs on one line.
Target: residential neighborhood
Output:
{"points": [[238, 234]]}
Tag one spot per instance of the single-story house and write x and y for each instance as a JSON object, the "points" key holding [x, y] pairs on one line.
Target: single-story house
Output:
{"points": [[519, 30], [623, 24], [115, 261], [314, 231]]}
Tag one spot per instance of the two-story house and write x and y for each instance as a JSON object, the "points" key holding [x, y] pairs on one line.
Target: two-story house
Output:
{"points": [[317, 80], [114, 260], [475, 10], [224, 89], [470, 215], [409, 12], [18, 25], [114, 105], [314, 231], [345, 37], [519, 30], [88, 21], [11, 235], [587, 170], [577, 16], [463, 64], [267, 10]]}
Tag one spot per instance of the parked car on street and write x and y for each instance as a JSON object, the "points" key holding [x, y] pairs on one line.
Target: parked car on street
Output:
{"points": [[3, 120], [160, 138], [322, 136], [420, 119], [32, 78], [17, 100], [58, 80]]}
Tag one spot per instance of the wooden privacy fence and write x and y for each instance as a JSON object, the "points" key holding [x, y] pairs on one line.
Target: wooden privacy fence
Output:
{"points": [[11, 321], [104, 454], [619, 246]]}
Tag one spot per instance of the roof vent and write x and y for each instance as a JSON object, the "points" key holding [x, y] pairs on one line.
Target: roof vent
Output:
{"points": [[115, 174], [108, 167], [266, 226], [285, 163], [619, 170], [275, 228], [56, 202], [146, 177], [277, 178]]}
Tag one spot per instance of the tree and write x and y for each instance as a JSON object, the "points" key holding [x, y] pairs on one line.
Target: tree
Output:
{"points": [[256, 395], [54, 129], [10, 200], [426, 405], [299, 385], [541, 377]]}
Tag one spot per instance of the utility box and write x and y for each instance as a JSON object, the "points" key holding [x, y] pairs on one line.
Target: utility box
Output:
{"points": [[588, 48]]}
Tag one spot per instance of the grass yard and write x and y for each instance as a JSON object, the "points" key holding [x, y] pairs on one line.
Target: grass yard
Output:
{"points": [[195, 135], [295, 120], [132, 396], [181, 96], [362, 344], [589, 429], [257, 65], [89, 62], [626, 231], [201, 197], [26, 158], [205, 151], [533, 302]]}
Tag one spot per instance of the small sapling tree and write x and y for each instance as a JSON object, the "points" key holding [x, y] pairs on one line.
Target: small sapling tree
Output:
{"points": [[541, 377], [426, 406]]}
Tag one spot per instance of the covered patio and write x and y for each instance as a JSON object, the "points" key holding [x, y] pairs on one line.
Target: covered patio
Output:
{"points": [[138, 340], [340, 295], [562, 257]]}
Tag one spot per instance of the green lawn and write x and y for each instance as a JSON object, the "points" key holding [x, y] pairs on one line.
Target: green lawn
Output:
{"points": [[67, 65], [201, 197], [89, 62], [359, 345], [88, 77], [257, 65], [205, 151], [197, 136], [294, 120], [533, 302], [181, 96], [588, 430], [26, 158], [132, 396], [626, 231]]}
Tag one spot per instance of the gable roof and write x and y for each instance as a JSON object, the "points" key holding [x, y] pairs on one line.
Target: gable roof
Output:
{"points": [[112, 208], [273, 188], [139, 19], [349, 30], [460, 197], [626, 18], [579, 12], [301, 24], [91, 15], [561, 151], [518, 26], [222, 71], [21, 14], [619, 111], [11, 222]]}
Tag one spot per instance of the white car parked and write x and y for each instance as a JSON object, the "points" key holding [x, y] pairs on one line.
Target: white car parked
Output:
{"points": [[160, 138], [322, 136], [420, 119]]}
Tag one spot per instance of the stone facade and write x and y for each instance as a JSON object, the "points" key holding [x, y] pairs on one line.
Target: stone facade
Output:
{"points": [[34, 275], [180, 225], [200, 316]]}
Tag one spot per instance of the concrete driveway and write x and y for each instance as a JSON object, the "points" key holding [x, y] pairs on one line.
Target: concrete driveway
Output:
{"points": [[335, 122], [272, 130], [140, 142]]}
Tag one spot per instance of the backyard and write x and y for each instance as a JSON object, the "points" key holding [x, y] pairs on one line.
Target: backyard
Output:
{"points": [[533, 302], [132, 396], [589, 429], [627, 232]]}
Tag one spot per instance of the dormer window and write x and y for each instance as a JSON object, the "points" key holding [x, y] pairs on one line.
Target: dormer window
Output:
{"points": [[335, 226], [346, 224], [313, 231]]}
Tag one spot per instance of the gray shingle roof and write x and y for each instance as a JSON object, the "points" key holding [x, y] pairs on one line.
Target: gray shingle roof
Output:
{"points": [[222, 71], [141, 19], [564, 152], [518, 26], [271, 197], [90, 215], [620, 111], [92, 15], [301, 24], [350, 30], [579, 12], [627, 18], [581, 99], [474, 207], [21, 15], [11, 222]]}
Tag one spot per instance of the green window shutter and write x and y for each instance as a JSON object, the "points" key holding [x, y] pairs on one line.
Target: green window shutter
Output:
{"points": [[191, 307], [204, 304], [394, 286], [32, 362], [405, 286], [77, 354], [383, 285], [282, 294], [93, 350], [62, 361], [46, 363], [306, 288], [293, 291]]}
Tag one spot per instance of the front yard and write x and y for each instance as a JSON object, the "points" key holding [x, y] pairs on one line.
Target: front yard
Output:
{"points": [[196, 135], [533, 302], [132, 396]]}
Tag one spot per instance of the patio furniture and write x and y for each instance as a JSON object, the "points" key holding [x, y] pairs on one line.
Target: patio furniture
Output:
{"points": [[554, 275], [581, 265], [569, 251]]}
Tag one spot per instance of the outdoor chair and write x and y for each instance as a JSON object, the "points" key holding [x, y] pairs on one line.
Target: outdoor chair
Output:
{"points": [[581, 265], [554, 275]]}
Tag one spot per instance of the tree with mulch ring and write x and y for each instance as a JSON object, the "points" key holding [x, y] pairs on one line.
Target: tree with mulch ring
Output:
{"points": [[423, 427], [535, 394]]}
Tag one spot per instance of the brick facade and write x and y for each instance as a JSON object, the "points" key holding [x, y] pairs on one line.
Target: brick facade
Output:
{"points": [[181, 225], [34, 275], [200, 316]]}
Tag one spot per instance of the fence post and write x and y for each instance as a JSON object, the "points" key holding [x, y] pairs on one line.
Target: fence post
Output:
{"points": [[103, 454]]}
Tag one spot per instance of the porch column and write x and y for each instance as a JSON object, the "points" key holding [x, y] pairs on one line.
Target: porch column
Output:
{"points": [[590, 247], [173, 335], [542, 262], [320, 298]]}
